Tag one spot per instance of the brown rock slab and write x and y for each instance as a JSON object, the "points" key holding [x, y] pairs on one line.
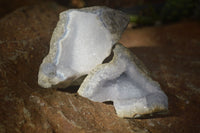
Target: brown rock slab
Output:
{"points": [[24, 106]]}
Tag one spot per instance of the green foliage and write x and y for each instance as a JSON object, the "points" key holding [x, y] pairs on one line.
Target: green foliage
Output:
{"points": [[134, 18], [172, 10], [177, 9]]}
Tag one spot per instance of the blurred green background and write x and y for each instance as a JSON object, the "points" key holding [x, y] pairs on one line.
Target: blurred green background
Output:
{"points": [[142, 12]]}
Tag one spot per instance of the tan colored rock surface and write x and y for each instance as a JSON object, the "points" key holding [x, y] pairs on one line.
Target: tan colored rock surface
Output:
{"points": [[25, 107]]}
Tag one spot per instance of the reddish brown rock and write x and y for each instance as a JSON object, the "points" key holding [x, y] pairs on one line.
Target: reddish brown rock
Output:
{"points": [[6, 6], [26, 107]]}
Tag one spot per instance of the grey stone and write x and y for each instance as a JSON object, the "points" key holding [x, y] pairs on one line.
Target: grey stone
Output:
{"points": [[82, 39], [127, 83]]}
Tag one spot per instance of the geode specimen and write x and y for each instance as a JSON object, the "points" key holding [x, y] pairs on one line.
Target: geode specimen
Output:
{"points": [[126, 82], [82, 40]]}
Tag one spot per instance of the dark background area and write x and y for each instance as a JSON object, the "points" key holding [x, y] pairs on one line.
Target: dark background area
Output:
{"points": [[142, 12]]}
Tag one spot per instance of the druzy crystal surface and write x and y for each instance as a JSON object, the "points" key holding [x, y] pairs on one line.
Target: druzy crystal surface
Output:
{"points": [[80, 44], [127, 83], [82, 39]]}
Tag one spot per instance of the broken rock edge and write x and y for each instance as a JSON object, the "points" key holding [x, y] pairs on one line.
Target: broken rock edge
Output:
{"points": [[61, 30], [143, 70]]}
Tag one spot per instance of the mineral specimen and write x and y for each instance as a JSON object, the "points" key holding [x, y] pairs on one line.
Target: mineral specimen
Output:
{"points": [[82, 39], [126, 82]]}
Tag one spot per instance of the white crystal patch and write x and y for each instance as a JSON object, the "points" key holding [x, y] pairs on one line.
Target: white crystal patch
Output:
{"points": [[124, 82], [82, 39]]}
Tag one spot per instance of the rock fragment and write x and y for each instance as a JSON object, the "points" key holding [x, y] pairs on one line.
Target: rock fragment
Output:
{"points": [[126, 82], [82, 39]]}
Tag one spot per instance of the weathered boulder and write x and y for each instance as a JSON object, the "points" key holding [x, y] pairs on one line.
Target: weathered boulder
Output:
{"points": [[26, 107]]}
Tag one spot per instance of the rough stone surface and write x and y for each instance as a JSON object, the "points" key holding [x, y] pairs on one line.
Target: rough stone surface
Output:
{"points": [[172, 54], [82, 39], [26, 107], [125, 81]]}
